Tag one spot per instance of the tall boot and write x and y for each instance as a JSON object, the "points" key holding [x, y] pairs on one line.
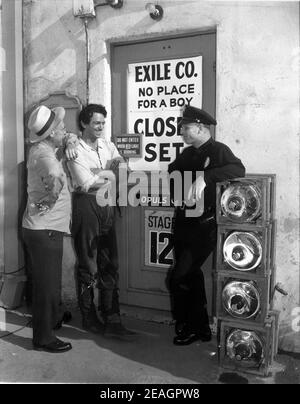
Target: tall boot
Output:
{"points": [[90, 321]]}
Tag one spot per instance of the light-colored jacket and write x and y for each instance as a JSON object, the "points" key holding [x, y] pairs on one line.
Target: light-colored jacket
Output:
{"points": [[49, 201]]}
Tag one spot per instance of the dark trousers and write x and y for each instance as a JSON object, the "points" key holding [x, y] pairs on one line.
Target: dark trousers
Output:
{"points": [[44, 250], [96, 248], [187, 285]]}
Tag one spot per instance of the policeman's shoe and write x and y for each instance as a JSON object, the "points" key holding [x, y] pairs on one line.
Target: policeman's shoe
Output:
{"points": [[92, 325], [185, 339], [117, 330], [205, 335], [56, 346], [66, 318], [189, 338], [180, 328]]}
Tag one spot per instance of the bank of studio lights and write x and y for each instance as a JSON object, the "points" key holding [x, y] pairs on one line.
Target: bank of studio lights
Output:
{"points": [[246, 273]]}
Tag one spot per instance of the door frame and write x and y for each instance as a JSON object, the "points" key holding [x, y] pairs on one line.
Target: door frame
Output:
{"points": [[160, 37]]}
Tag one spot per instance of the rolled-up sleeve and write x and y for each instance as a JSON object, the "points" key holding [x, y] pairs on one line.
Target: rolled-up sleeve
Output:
{"points": [[82, 176]]}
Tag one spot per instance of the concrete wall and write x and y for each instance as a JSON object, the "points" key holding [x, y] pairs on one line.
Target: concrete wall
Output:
{"points": [[2, 67], [257, 90], [11, 137]]}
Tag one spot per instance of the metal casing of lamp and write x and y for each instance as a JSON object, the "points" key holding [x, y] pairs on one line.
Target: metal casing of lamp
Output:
{"points": [[249, 200], [244, 249], [241, 202], [245, 267], [240, 296], [241, 299], [249, 349]]}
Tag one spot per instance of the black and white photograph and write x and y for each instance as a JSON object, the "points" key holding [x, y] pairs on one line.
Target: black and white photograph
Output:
{"points": [[149, 195]]}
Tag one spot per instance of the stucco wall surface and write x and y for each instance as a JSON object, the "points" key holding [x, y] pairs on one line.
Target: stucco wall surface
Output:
{"points": [[2, 67], [257, 102]]}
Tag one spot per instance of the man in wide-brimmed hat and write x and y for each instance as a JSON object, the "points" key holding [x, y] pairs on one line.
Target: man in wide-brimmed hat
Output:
{"points": [[45, 221]]}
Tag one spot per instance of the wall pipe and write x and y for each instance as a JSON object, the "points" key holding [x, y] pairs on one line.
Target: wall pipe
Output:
{"points": [[87, 59]]}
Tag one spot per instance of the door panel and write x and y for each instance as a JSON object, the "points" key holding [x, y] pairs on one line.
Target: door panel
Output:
{"points": [[122, 55]]}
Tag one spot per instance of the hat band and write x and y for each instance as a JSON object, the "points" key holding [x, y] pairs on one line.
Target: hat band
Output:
{"points": [[47, 124], [196, 120]]}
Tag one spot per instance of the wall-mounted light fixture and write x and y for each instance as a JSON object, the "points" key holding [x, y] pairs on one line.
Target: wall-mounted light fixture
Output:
{"points": [[112, 3], [85, 9], [155, 11]]}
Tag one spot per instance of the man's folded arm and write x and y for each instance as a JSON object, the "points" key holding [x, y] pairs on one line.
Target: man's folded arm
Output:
{"points": [[85, 178], [229, 167], [71, 142]]}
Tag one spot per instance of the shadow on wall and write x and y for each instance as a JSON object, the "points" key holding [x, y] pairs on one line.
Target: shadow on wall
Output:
{"points": [[47, 69], [47, 49]]}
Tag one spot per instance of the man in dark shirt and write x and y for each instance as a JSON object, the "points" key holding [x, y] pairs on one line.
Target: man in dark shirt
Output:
{"points": [[195, 235]]}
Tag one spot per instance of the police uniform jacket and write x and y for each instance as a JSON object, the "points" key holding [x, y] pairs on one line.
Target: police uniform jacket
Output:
{"points": [[218, 163]]}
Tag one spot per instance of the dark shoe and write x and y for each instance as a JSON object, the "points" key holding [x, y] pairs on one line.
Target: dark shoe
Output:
{"points": [[205, 333], [180, 328], [94, 326], [189, 338], [205, 336], [56, 346], [185, 339], [117, 330], [66, 318]]}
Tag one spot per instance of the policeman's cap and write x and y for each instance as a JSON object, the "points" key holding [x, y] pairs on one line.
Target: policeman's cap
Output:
{"points": [[196, 115]]}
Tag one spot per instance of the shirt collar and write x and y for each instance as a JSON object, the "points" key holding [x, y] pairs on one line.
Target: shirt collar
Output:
{"points": [[89, 148]]}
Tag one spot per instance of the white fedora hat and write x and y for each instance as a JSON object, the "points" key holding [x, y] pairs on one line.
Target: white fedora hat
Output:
{"points": [[42, 120]]}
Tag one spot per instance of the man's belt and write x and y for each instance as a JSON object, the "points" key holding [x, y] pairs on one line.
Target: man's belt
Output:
{"points": [[91, 191]]}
